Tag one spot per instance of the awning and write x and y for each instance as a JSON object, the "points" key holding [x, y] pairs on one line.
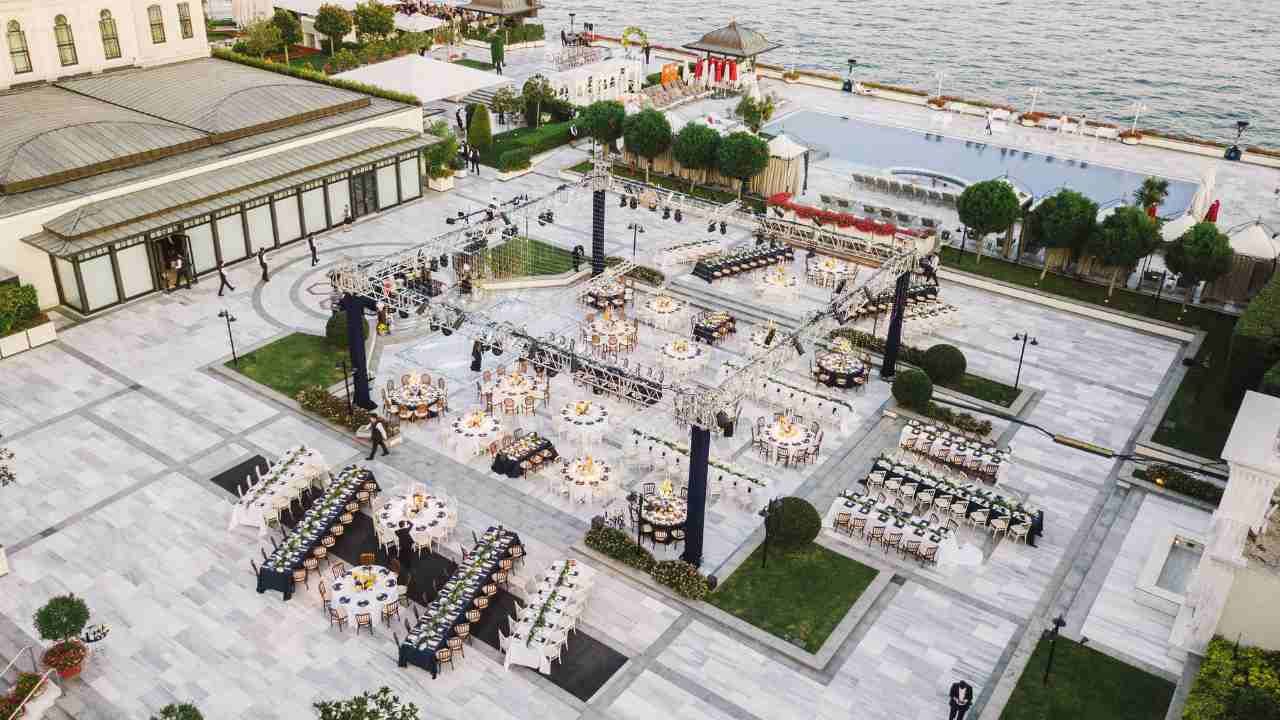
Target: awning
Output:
{"points": [[1173, 229], [1253, 240], [428, 79], [786, 148]]}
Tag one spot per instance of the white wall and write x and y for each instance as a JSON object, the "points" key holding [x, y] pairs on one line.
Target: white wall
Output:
{"points": [[33, 266], [36, 18]]}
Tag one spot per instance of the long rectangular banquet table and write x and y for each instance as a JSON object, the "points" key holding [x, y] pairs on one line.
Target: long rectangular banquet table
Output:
{"points": [[716, 268], [296, 469], [878, 514], [450, 607], [712, 326], [955, 450], [978, 498], [563, 586], [530, 448], [276, 572]]}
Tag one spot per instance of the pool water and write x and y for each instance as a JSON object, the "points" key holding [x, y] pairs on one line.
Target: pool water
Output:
{"points": [[884, 148], [1178, 567]]}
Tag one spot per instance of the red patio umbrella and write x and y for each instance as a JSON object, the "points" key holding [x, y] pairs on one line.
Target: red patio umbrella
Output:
{"points": [[1212, 215]]}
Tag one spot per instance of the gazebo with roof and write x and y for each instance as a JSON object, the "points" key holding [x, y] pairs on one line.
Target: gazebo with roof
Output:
{"points": [[733, 43], [504, 8]]}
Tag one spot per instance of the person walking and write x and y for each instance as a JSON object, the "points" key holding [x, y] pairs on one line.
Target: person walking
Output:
{"points": [[262, 262], [377, 436], [647, 50], [222, 280], [961, 698], [311, 243], [346, 218], [475, 160], [457, 116]]}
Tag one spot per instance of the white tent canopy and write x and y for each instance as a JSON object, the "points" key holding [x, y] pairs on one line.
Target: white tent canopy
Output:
{"points": [[1173, 229], [1254, 241], [786, 148], [424, 77]]}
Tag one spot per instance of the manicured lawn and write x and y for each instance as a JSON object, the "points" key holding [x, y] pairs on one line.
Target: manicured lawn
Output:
{"points": [[522, 256], [1086, 684], [474, 64], [1199, 418], [292, 363], [801, 596], [992, 391]]}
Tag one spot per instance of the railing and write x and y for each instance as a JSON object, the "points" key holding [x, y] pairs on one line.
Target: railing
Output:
{"points": [[30, 652], [35, 668], [34, 691]]}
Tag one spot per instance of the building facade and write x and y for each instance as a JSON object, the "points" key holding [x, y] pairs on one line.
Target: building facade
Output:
{"points": [[47, 40]]}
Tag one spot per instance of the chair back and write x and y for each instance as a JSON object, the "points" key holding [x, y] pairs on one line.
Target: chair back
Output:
{"points": [[367, 558]]}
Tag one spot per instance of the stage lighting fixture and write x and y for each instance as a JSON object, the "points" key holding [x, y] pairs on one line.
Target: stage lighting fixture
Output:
{"points": [[458, 321], [712, 227], [422, 309], [723, 419], [450, 221], [505, 220], [666, 213], [678, 215], [444, 260], [795, 343], [866, 291], [488, 214], [723, 227], [840, 285], [435, 264], [634, 202], [622, 201], [768, 339]]}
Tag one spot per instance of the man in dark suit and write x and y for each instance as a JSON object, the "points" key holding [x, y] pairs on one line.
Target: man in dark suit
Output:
{"points": [[222, 279], [262, 263], [475, 160], [377, 436], [961, 697], [311, 243]]}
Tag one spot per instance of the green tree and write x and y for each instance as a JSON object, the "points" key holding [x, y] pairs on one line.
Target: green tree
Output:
{"points": [[261, 37], [1062, 223], [506, 101], [536, 90], [1152, 192], [373, 19], [647, 134], [382, 705], [334, 22], [1202, 254], [62, 618], [603, 120], [987, 207], [497, 51], [1123, 237], [695, 148], [290, 29], [479, 130], [742, 155], [440, 154], [178, 711], [754, 113]]}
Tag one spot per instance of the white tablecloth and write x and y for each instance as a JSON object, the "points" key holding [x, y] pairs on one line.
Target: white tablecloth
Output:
{"points": [[681, 357], [583, 482], [557, 618], [777, 282], [296, 469], [414, 395], [429, 523], [585, 428], [948, 550], [794, 439], [663, 312], [469, 439], [354, 599], [515, 387]]}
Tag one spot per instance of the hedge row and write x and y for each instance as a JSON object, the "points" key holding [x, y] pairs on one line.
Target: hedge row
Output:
{"points": [[320, 401], [517, 159], [19, 308], [675, 574], [1255, 342], [1180, 481], [313, 76], [1235, 682], [531, 140], [527, 32]]}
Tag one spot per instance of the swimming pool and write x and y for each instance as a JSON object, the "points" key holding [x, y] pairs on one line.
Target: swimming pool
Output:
{"points": [[886, 148]]}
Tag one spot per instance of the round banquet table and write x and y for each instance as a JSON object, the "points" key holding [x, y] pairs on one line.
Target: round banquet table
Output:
{"points": [[606, 328], [582, 480], [663, 311], [793, 437], [775, 281], [665, 513], [423, 526], [584, 422], [514, 387], [838, 366], [681, 357], [473, 432], [414, 395], [609, 294], [348, 596], [833, 270]]}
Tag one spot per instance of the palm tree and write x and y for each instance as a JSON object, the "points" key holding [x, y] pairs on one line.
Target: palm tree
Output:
{"points": [[1152, 192]]}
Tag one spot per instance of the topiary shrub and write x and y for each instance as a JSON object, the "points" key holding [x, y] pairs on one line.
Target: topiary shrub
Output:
{"points": [[62, 618], [683, 578], [913, 389], [335, 330], [943, 363], [316, 399], [795, 524]]}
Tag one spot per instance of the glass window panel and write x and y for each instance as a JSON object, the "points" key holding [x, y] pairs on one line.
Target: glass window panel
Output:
{"points": [[70, 290], [260, 236], [313, 210], [288, 226], [202, 247], [99, 283], [387, 193], [339, 201], [156, 18], [19, 54], [231, 238], [410, 186], [135, 270], [66, 41], [184, 19], [110, 36]]}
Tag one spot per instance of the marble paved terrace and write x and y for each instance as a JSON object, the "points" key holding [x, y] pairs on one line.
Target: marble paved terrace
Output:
{"points": [[120, 424]]}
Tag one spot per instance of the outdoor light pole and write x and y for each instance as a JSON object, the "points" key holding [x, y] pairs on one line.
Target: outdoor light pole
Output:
{"points": [[636, 229], [224, 314], [1058, 622], [1024, 338]]}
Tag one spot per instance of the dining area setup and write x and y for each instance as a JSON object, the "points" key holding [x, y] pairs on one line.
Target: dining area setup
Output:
{"points": [[540, 630], [609, 333], [727, 265], [787, 440], [419, 516], [514, 390], [713, 326], [663, 311], [416, 398], [841, 366], [956, 450], [265, 496]]}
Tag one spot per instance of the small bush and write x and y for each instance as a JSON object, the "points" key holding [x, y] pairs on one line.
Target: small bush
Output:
{"points": [[795, 525], [513, 160], [913, 389], [944, 363], [313, 76], [335, 329], [1235, 683], [1180, 481], [1255, 341], [683, 578], [8, 706], [960, 420], [19, 305], [1271, 381], [62, 618], [178, 711], [317, 400], [619, 546], [26, 683]]}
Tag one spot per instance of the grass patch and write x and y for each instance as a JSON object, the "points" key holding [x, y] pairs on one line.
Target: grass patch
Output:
{"points": [[315, 61], [522, 256], [1086, 684], [801, 596], [473, 64], [992, 391], [536, 140], [293, 362], [1200, 416]]}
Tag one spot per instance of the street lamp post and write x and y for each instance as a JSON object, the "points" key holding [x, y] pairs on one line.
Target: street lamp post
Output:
{"points": [[346, 385], [226, 315], [941, 75], [1058, 622], [1024, 338], [636, 230]]}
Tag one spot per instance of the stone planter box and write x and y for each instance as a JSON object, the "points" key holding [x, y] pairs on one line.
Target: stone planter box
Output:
{"points": [[505, 176], [897, 96], [443, 184], [14, 344], [1257, 159], [41, 335], [41, 703], [459, 174]]}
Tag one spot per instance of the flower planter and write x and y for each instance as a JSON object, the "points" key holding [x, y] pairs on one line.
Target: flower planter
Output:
{"points": [[14, 344], [442, 184], [459, 174], [41, 335]]}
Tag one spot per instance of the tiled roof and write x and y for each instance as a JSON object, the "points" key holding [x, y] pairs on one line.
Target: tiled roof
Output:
{"points": [[734, 41]]}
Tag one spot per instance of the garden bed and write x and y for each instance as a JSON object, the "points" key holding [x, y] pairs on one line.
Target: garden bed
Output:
{"points": [[474, 64], [1086, 684], [293, 362], [536, 140], [800, 596]]}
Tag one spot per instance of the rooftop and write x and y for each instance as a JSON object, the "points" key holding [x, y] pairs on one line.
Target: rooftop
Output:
{"points": [[734, 41], [502, 7]]}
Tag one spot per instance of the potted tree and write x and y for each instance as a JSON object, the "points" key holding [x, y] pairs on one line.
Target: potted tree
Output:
{"points": [[62, 619]]}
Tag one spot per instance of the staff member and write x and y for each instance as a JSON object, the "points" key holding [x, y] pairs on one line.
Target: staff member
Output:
{"points": [[378, 436], [262, 262], [222, 278], [311, 243], [961, 697]]}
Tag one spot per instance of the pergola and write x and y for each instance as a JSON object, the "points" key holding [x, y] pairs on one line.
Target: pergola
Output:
{"points": [[731, 46], [504, 8]]}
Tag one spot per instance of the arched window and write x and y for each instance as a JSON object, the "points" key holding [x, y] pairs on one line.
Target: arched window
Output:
{"points": [[66, 41], [157, 24], [18, 51], [110, 37]]}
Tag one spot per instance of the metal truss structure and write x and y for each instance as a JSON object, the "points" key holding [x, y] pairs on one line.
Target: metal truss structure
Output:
{"points": [[843, 245]]}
